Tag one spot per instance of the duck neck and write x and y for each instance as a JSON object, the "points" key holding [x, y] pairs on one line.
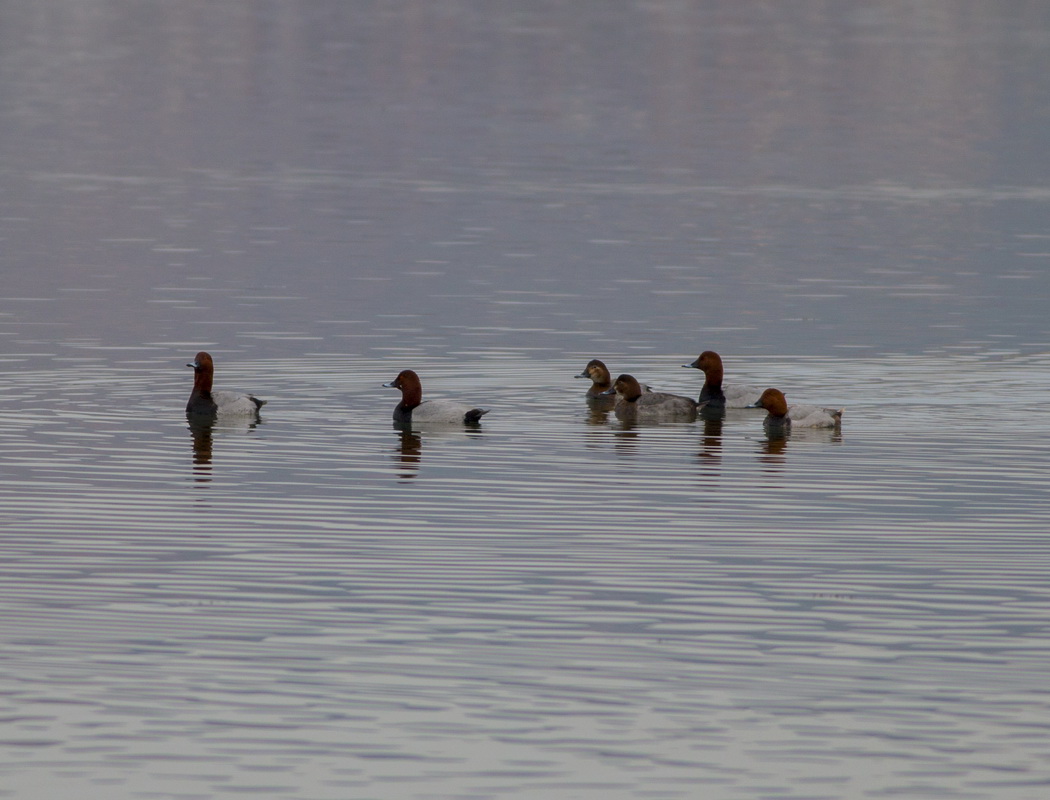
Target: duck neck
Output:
{"points": [[713, 374], [411, 396], [711, 392], [202, 379]]}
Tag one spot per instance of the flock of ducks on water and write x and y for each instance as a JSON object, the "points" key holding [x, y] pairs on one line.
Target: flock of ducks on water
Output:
{"points": [[629, 400]]}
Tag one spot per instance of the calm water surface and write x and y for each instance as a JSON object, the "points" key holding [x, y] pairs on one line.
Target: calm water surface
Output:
{"points": [[850, 204], [320, 605]]}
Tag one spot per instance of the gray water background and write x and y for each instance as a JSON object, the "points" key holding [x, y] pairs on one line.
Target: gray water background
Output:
{"points": [[848, 201]]}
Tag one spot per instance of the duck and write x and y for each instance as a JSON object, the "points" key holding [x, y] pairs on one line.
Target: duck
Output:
{"points": [[598, 374], [782, 416], [714, 395], [204, 401], [601, 381], [633, 403], [414, 409]]}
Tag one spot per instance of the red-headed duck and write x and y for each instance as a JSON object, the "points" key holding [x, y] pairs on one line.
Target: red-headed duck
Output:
{"points": [[714, 395], [204, 401], [633, 403], [802, 416], [414, 409]]}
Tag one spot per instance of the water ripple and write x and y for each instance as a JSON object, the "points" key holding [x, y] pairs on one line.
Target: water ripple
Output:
{"points": [[660, 601]]}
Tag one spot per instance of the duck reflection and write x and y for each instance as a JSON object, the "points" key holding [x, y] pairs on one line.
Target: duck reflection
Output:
{"points": [[773, 446], [711, 443], [598, 409], [202, 428], [626, 436], [409, 452]]}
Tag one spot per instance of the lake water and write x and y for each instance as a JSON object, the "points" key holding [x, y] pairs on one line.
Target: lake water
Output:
{"points": [[847, 202]]}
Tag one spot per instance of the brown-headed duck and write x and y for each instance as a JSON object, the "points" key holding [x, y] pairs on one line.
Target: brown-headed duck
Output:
{"points": [[414, 409], [801, 416], [206, 402], [601, 381], [714, 395], [633, 403], [598, 374]]}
